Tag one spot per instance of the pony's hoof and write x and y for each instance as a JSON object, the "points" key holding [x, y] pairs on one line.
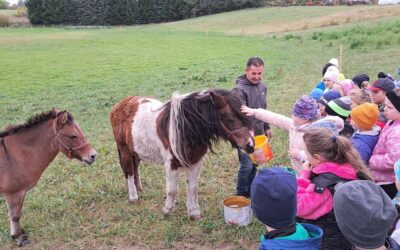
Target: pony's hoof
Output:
{"points": [[168, 211], [134, 201], [16, 236], [195, 217], [23, 240]]}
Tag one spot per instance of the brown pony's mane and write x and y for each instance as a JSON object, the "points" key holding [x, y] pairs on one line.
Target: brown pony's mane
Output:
{"points": [[33, 121]]}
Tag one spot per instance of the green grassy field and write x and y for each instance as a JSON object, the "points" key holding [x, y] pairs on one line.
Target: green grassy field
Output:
{"points": [[7, 12], [88, 71]]}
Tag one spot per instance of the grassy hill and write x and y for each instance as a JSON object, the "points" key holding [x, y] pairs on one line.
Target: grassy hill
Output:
{"points": [[88, 71], [267, 21]]}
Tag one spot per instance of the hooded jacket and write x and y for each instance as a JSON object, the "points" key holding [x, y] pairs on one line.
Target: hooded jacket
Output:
{"points": [[311, 204], [386, 153], [253, 96], [365, 142], [312, 243]]}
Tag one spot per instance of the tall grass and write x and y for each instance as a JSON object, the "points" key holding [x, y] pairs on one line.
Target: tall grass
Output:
{"points": [[384, 34]]}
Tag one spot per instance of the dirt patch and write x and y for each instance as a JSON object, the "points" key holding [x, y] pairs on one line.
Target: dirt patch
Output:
{"points": [[350, 16]]}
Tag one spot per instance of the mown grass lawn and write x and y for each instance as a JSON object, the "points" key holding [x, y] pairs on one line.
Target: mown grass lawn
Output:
{"points": [[88, 71], [7, 12]]}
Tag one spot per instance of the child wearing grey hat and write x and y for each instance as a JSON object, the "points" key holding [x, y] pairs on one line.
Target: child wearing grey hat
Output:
{"points": [[365, 213], [274, 203]]}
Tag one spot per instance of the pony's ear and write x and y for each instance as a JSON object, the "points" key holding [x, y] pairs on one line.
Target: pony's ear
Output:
{"points": [[217, 100], [63, 117], [55, 111]]}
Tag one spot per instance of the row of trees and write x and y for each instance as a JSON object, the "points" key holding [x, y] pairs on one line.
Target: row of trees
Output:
{"points": [[6, 4], [116, 12]]}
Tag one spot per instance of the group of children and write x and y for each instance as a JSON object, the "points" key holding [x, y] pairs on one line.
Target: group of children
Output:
{"points": [[344, 142]]}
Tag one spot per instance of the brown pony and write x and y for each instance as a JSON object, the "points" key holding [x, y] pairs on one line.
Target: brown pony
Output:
{"points": [[25, 152], [177, 134]]}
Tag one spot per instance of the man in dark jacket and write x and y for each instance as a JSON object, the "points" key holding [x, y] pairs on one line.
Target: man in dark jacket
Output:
{"points": [[253, 92]]}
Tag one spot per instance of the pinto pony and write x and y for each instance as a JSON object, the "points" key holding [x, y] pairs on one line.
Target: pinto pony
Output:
{"points": [[177, 134], [25, 152]]}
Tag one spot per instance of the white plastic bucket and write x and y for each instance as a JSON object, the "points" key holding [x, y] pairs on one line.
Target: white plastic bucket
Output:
{"points": [[237, 211]]}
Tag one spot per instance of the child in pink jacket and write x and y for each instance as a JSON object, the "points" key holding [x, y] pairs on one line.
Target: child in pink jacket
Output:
{"points": [[387, 149], [331, 160]]}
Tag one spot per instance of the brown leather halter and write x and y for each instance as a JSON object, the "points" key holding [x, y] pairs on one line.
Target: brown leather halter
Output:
{"points": [[231, 133], [68, 148]]}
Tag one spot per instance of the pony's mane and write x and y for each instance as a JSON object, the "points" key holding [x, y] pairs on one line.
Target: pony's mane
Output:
{"points": [[192, 122], [32, 122]]}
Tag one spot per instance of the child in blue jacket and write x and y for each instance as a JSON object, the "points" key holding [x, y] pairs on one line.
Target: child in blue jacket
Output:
{"points": [[366, 135], [274, 203]]}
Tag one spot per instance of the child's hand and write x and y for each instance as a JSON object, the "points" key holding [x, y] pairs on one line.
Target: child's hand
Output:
{"points": [[294, 153], [307, 166], [248, 111]]}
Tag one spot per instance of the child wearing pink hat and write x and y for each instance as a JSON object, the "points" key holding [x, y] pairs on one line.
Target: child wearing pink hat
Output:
{"points": [[330, 80]]}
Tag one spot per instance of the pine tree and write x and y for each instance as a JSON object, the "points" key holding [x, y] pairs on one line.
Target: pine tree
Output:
{"points": [[98, 12], [35, 10], [86, 12], [52, 12], [71, 13]]}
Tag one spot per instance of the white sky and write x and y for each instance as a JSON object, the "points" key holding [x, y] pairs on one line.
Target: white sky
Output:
{"points": [[12, 1]]}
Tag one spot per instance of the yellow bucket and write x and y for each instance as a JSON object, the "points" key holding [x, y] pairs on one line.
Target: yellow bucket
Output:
{"points": [[262, 150], [237, 211]]}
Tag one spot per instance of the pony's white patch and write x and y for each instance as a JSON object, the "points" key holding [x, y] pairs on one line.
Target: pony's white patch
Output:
{"points": [[250, 142], [132, 188], [14, 227], [192, 203], [172, 185], [146, 142]]}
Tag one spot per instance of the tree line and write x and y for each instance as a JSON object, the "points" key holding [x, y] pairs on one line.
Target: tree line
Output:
{"points": [[127, 12]]}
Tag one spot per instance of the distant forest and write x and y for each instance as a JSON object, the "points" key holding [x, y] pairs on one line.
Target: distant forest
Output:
{"points": [[127, 12]]}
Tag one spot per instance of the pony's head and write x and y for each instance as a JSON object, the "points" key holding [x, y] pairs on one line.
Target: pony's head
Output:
{"points": [[235, 125], [70, 139]]}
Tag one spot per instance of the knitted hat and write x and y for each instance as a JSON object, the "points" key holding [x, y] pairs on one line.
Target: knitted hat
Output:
{"points": [[335, 62], [384, 75], [316, 93], [384, 84], [273, 197], [364, 213], [332, 74], [390, 77], [306, 108], [327, 122], [325, 68], [340, 106], [329, 96], [347, 85], [365, 115], [359, 79]]}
